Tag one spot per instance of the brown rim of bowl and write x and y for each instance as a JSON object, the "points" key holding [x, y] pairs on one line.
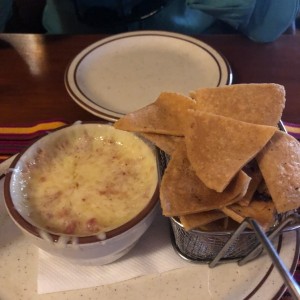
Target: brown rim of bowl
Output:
{"points": [[34, 230]]}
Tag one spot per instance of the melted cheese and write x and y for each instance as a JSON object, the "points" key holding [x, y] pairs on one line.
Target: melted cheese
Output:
{"points": [[86, 183]]}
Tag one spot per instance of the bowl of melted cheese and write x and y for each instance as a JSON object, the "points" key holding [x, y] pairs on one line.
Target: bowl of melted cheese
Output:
{"points": [[86, 191]]}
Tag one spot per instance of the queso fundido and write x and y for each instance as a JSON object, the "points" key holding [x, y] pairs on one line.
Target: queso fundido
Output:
{"points": [[90, 180]]}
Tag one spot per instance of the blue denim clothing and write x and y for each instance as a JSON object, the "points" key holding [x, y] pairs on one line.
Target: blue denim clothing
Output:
{"points": [[260, 20], [69, 16]]}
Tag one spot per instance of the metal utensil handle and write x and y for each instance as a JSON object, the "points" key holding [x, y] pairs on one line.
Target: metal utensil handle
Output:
{"points": [[292, 219], [284, 272], [222, 252]]}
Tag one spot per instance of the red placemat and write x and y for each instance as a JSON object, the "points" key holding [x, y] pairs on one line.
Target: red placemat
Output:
{"points": [[14, 139]]}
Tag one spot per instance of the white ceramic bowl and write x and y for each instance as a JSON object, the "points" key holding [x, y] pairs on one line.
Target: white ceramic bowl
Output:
{"points": [[102, 247]]}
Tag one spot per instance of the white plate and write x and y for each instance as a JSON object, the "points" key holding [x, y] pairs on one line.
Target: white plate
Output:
{"points": [[125, 72], [256, 280]]}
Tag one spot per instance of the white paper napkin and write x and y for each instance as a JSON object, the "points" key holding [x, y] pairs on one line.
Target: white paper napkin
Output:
{"points": [[153, 254]]}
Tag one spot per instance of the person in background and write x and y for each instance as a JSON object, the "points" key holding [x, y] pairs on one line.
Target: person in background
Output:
{"points": [[89, 16], [259, 20]]}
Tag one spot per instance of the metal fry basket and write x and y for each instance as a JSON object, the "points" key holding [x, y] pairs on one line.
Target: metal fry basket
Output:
{"points": [[202, 246], [241, 245]]}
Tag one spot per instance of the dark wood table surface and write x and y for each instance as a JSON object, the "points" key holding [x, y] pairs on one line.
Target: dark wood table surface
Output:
{"points": [[32, 70]]}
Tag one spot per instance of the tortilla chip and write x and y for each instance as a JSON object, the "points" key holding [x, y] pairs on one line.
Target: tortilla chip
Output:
{"points": [[254, 103], [166, 143], [253, 171], [279, 163], [218, 147], [193, 221], [182, 192], [167, 115], [263, 212], [225, 224]]}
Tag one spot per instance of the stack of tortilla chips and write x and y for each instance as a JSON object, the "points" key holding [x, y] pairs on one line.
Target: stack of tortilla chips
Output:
{"points": [[225, 152]]}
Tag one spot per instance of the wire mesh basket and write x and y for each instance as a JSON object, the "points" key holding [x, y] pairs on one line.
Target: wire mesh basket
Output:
{"points": [[201, 246], [242, 244]]}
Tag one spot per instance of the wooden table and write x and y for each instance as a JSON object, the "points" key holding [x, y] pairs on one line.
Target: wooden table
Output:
{"points": [[32, 72]]}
